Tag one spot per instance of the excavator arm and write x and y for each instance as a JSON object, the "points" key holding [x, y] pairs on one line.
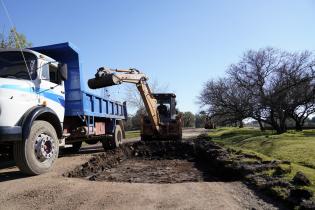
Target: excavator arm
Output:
{"points": [[107, 77]]}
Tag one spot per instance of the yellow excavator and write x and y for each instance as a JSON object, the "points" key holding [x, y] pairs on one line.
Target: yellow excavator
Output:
{"points": [[162, 121]]}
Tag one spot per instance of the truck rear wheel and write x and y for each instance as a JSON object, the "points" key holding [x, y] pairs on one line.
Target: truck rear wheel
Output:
{"points": [[114, 141], [37, 153], [118, 136]]}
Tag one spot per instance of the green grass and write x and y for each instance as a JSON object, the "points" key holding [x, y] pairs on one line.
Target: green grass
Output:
{"points": [[297, 147], [132, 134]]}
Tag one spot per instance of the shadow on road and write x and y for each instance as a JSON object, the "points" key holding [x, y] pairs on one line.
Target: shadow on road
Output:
{"points": [[11, 175], [9, 171]]}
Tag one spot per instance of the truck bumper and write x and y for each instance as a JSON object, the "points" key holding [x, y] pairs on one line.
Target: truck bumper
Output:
{"points": [[10, 133]]}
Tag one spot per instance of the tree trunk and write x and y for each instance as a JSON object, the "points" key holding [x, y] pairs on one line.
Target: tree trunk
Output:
{"points": [[298, 126], [241, 124], [261, 125], [299, 122]]}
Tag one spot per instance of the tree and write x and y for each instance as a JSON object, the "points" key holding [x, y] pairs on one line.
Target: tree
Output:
{"points": [[200, 119], [227, 103], [280, 83], [133, 98], [14, 40], [268, 85], [136, 119], [188, 119], [300, 89]]}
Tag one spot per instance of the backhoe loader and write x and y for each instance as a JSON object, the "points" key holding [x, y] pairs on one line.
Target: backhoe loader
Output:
{"points": [[162, 121]]}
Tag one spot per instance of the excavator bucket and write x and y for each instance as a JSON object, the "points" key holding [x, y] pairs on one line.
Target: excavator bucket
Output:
{"points": [[103, 81]]}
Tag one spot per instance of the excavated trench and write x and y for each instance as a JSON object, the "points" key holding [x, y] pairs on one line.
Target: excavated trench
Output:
{"points": [[147, 162], [197, 160]]}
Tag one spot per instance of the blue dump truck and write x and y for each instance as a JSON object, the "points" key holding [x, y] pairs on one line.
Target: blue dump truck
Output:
{"points": [[45, 105]]}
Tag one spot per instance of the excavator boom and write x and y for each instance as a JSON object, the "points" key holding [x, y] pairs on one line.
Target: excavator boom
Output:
{"points": [[108, 77]]}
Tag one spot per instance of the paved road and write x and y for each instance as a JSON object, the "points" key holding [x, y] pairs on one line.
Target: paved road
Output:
{"points": [[53, 191]]}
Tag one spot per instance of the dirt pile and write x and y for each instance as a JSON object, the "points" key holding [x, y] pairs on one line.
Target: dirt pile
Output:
{"points": [[150, 162]]}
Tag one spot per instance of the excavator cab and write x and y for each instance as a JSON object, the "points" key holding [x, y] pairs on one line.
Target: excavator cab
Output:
{"points": [[170, 122], [166, 103]]}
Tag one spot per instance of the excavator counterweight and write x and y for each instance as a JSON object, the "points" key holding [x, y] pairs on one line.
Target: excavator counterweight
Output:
{"points": [[162, 121]]}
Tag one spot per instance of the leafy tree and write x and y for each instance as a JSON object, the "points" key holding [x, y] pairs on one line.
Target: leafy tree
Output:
{"points": [[14, 40], [136, 119], [128, 124], [200, 119], [188, 119]]}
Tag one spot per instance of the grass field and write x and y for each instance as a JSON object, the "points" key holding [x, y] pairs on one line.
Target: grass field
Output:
{"points": [[132, 134], [297, 147]]}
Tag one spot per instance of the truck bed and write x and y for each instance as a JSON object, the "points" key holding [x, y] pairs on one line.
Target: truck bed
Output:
{"points": [[96, 106], [79, 100]]}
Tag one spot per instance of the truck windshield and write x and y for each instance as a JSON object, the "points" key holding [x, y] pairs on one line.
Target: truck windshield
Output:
{"points": [[12, 65]]}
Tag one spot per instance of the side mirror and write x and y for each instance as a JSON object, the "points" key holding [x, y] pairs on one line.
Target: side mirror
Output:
{"points": [[63, 71]]}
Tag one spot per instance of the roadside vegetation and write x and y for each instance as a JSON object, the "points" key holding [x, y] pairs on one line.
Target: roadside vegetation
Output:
{"points": [[132, 134], [296, 147]]}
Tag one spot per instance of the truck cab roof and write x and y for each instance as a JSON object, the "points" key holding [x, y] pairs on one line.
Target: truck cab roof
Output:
{"points": [[37, 54]]}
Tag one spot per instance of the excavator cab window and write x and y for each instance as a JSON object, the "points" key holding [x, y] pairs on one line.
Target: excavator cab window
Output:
{"points": [[163, 109], [166, 106]]}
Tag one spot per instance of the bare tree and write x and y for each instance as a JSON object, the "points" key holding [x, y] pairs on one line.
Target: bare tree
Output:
{"points": [[299, 86], [133, 98], [227, 102], [280, 84]]}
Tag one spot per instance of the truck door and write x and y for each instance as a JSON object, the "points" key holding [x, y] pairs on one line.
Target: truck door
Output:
{"points": [[52, 91]]}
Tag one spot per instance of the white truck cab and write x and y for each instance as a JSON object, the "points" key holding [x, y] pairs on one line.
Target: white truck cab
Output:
{"points": [[31, 84]]}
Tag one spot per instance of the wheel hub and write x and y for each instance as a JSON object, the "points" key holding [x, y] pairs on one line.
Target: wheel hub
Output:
{"points": [[44, 147]]}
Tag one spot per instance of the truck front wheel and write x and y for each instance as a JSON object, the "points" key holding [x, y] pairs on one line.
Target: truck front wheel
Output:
{"points": [[37, 153]]}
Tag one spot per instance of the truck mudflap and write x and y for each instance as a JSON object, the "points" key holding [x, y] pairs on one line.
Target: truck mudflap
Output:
{"points": [[10, 133]]}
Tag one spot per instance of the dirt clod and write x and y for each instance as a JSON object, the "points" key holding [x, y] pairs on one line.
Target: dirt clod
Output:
{"points": [[301, 179]]}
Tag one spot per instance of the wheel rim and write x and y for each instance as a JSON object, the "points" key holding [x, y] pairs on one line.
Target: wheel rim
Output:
{"points": [[44, 147]]}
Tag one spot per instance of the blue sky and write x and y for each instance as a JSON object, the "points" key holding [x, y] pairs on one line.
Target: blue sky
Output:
{"points": [[179, 43]]}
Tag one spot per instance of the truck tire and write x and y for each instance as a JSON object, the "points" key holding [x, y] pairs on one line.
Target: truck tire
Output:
{"points": [[108, 143], [118, 136], [37, 153], [114, 141]]}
